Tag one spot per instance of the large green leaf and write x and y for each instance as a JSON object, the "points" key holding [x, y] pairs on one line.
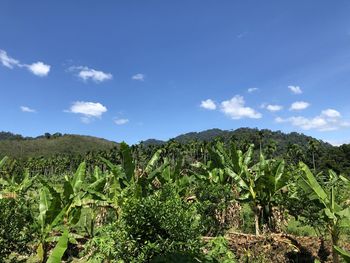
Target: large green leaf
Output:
{"points": [[151, 164], [67, 191], [248, 155], [128, 164], [237, 179], [78, 178], [344, 254], [117, 172], [314, 185], [3, 161], [60, 248], [44, 205]]}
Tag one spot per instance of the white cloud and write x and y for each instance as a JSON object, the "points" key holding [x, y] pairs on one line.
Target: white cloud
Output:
{"points": [[27, 109], [295, 89], [338, 142], [328, 120], [121, 121], [86, 73], [235, 109], [208, 104], [299, 105], [88, 110], [39, 68], [251, 90], [139, 77], [273, 108], [331, 113], [7, 61]]}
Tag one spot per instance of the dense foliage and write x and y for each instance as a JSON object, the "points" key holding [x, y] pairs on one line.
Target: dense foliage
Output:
{"points": [[169, 202]]}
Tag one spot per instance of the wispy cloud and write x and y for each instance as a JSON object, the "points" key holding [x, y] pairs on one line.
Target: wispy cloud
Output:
{"points": [[208, 104], [273, 107], [139, 77], [241, 35], [27, 109], [86, 73], [295, 89], [235, 108], [251, 90], [338, 142], [328, 120], [299, 105], [88, 110], [8, 61], [121, 121], [331, 113], [38, 68]]}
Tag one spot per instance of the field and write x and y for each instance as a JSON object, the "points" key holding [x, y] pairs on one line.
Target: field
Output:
{"points": [[222, 200]]}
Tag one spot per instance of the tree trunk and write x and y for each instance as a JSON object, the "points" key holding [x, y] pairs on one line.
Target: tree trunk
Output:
{"points": [[335, 240], [256, 219]]}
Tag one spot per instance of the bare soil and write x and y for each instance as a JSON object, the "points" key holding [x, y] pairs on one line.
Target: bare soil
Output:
{"points": [[280, 248]]}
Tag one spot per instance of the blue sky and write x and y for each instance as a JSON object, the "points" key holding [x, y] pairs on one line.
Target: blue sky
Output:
{"points": [[133, 70]]}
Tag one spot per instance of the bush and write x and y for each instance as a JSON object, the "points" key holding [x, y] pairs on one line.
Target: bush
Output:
{"points": [[214, 201], [161, 223], [247, 218], [15, 230], [297, 228], [217, 250], [154, 227]]}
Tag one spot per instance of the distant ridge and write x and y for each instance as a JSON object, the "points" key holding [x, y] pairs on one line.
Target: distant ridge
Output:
{"points": [[252, 135], [15, 145]]}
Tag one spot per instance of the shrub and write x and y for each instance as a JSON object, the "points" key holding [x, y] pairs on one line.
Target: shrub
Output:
{"points": [[218, 251], [154, 227], [15, 230], [214, 202]]}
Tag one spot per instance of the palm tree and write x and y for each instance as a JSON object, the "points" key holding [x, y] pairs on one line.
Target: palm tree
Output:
{"points": [[313, 146], [271, 148]]}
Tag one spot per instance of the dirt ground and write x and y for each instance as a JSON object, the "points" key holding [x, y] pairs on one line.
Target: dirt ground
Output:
{"points": [[280, 248]]}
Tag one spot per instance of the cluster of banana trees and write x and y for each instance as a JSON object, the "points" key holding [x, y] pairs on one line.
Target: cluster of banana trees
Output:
{"points": [[257, 183], [86, 197]]}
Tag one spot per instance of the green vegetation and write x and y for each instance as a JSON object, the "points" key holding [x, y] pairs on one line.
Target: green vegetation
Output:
{"points": [[171, 202], [50, 145]]}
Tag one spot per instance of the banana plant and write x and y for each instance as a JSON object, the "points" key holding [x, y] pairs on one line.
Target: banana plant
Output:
{"points": [[50, 216], [270, 178], [257, 184], [336, 212], [11, 186], [225, 166], [260, 185], [57, 207]]}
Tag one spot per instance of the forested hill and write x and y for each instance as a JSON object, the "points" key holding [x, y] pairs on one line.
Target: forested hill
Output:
{"points": [[14, 145], [290, 146], [276, 143], [245, 135]]}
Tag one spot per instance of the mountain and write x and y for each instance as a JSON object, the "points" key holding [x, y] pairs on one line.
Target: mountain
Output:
{"points": [[14, 145], [249, 135], [152, 142], [327, 156]]}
